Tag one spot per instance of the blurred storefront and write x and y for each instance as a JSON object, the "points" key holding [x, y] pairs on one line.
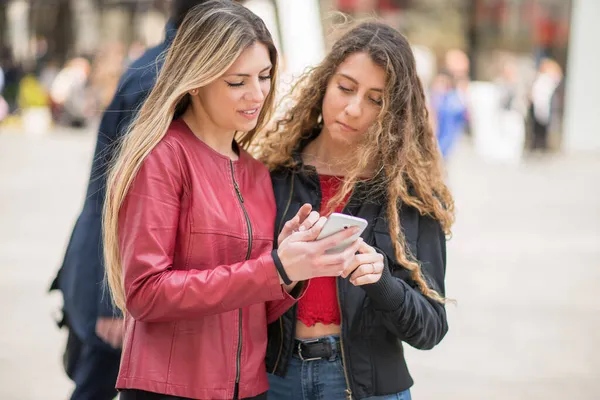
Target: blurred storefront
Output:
{"points": [[482, 28], [495, 33]]}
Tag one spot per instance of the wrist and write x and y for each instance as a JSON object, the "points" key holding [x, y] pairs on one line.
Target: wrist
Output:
{"points": [[283, 276]]}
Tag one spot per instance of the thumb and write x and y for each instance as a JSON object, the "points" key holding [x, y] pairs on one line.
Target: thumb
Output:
{"points": [[366, 249]]}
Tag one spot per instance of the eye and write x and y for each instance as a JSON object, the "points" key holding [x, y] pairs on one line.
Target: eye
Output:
{"points": [[378, 103], [344, 89], [265, 78], [235, 84]]}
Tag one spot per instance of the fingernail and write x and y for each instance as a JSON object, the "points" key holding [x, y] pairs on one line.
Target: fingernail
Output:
{"points": [[302, 229]]}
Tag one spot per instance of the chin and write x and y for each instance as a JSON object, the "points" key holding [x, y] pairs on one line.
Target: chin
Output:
{"points": [[342, 138], [245, 127]]}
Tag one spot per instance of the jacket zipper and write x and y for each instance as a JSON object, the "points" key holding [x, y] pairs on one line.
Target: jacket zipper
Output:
{"points": [[348, 390], [236, 389], [286, 209]]}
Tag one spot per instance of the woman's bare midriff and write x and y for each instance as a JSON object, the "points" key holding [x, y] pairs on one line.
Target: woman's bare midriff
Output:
{"points": [[316, 331]]}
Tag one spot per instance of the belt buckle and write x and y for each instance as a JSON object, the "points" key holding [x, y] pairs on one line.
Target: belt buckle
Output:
{"points": [[300, 343]]}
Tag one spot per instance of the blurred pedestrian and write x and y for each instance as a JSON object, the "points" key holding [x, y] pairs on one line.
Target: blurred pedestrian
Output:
{"points": [[3, 103], [358, 141], [450, 112], [73, 103], [545, 84], [96, 331], [189, 219], [1, 79]]}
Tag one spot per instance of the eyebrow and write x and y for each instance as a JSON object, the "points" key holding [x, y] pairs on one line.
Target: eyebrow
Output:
{"points": [[248, 75], [355, 81]]}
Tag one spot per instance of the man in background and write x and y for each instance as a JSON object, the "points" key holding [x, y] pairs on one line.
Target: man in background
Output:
{"points": [[93, 348]]}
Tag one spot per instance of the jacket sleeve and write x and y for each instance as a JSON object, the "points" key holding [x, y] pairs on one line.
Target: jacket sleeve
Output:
{"points": [[154, 290], [406, 312], [277, 308]]}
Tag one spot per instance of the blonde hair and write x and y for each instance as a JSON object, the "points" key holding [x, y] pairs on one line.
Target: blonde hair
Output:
{"points": [[401, 142], [210, 39]]}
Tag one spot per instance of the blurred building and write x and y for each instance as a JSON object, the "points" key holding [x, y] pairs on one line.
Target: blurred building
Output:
{"points": [[488, 31], [62, 29], [492, 31]]}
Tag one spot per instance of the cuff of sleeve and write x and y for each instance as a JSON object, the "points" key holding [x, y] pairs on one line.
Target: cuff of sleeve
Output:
{"points": [[289, 300], [388, 293], [272, 277], [299, 290]]}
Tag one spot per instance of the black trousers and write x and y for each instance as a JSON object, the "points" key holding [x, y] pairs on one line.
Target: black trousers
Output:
{"points": [[142, 395], [93, 369]]}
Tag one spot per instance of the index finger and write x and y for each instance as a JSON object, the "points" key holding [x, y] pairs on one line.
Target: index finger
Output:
{"points": [[303, 212], [312, 219], [294, 224]]}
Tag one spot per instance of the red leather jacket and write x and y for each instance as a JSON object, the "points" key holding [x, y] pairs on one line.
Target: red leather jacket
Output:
{"points": [[196, 231]]}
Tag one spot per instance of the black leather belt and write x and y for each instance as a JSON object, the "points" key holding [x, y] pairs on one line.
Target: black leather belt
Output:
{"points": [[316, 349]]}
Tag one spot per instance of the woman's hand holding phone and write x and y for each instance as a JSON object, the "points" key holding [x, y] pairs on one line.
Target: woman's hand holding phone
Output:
{"points": [[366, 267], [304, 257]]}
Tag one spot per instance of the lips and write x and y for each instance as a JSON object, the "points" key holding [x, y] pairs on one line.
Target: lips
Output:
{"points": [[250, 113], [346, 127]]}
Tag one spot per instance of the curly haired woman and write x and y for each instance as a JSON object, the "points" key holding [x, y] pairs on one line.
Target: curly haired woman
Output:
{"points": [[358, 141]]}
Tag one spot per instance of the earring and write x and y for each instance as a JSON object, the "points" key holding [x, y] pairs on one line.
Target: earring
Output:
{"points": [[193, 92]]}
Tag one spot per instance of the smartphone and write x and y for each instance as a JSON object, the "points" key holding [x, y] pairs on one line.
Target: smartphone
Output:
{"points": [[338, 222]]}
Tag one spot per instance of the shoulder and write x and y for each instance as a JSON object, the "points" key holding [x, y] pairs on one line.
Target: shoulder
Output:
{"points": [[281, 177], [281, 173], [254, 166], [140, 76], [170, 150], [176, 138]]}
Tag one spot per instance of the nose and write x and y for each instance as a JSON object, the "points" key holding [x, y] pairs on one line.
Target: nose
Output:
{"points": [[255, 92], [353, 108]]}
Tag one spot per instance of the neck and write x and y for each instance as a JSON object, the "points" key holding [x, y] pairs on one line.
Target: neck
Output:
{"points": [[217, 138], [330, 157]]}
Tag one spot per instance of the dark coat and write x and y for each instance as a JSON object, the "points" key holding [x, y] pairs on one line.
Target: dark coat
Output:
{"points": [[377, 318], [81, 275]]}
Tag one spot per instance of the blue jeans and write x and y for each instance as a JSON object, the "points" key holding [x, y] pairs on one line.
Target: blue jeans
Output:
{"points": [[317, 380]]}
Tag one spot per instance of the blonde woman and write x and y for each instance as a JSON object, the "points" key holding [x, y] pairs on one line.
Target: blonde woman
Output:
{"points": [[189, 220], [358, 141]]}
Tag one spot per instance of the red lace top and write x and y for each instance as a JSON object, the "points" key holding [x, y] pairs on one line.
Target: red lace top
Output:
{"points": [[320, 303]]}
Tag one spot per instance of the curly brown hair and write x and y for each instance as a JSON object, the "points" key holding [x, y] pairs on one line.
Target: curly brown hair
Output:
{"points": [[400, 143]]}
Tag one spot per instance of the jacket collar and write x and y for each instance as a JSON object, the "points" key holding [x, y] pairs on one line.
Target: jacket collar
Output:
{"points": [[301, 145]]}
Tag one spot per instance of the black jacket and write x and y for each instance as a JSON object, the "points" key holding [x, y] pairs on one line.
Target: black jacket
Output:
{"points": [[81, 275], [376, 318]]}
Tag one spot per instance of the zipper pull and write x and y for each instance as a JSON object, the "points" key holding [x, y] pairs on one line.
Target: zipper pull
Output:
{"points": [[235, 185], [349, 394], [239, 193]]}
